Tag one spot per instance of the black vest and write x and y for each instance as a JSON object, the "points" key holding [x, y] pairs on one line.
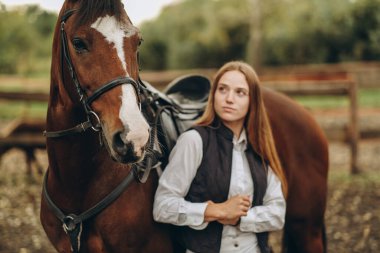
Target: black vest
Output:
{"points": [[212, 182]]}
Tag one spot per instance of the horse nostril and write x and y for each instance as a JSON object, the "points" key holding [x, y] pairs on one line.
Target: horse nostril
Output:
{"points": [[119, 145]]}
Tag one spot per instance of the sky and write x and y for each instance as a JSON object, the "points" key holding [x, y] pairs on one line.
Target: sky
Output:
{"points": [[138, 10]]}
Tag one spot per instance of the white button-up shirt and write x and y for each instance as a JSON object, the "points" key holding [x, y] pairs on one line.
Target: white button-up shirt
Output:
{"points": [[171, 207]]}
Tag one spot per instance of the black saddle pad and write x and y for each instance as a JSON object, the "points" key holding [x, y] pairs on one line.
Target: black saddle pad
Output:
{"points": [[185, 99], [191, 91]]}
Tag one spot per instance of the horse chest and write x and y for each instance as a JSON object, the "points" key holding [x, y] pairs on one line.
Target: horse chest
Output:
{"points": [[103, 236], [121, 227]]}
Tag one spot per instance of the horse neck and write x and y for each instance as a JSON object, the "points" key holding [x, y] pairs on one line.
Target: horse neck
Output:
{"points": [[72, 158], [79, 166]]}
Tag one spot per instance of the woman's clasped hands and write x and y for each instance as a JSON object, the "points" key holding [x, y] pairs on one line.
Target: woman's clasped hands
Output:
{"points": [[228, 212]]}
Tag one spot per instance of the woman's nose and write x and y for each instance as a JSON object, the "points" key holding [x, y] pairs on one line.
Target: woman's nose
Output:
{"points": [[230, 97]]}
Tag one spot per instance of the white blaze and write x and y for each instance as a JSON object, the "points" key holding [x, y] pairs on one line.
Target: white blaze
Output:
{"points": [[129, 111], [132, 118], [115, 32], [137, 129]]}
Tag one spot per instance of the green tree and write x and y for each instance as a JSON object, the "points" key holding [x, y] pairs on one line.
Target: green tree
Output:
{"points": [[299, 32], [208, 33], [25, 43], [16, 40], [366, 29]]}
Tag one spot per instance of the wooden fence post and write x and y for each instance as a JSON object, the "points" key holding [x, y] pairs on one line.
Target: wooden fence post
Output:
{"points": [[354, 128]]}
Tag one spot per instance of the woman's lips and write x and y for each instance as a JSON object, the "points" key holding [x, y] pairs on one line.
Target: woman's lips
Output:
{"points": [[228, 109]]}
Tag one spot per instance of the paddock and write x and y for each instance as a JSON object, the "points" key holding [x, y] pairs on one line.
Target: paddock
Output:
{"points": [[19, 196]]}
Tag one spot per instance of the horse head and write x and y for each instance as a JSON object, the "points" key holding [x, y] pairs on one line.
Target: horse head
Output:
{"points": [[97, 75]]}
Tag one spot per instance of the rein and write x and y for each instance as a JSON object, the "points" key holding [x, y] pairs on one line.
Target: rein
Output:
{"points": [[73, 224]]}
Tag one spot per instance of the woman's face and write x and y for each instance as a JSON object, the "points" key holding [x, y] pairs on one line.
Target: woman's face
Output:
{"points": [[231, 101]]}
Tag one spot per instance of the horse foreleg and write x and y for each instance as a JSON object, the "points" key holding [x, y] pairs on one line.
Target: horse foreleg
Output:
{"points": [[29, 157], [37, 164], [159, 242], [30, 161], [304, 238]]}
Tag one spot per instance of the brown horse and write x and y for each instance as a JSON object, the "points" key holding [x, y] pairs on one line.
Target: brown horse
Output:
{"points": [[303, 152], [86, 206], [94, 85]]}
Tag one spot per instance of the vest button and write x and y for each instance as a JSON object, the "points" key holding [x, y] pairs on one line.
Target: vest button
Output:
{"points": [[236, 245]]}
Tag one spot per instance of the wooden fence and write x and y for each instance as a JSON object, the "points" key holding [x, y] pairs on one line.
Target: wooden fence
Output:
{"points": [[345, 87], [292, 85], [338, 83]]}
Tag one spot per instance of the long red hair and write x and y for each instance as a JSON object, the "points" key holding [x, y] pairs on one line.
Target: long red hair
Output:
{"points": [[257, 124]]}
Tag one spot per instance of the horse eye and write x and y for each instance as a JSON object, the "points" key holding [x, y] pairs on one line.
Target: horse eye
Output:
{"points": [[141, 41], [79, 45]]}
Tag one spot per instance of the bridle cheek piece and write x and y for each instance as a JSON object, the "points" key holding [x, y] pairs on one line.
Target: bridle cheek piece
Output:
{"points": [[83, 98]]}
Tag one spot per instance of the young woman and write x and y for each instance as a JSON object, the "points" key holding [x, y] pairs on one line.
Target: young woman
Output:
{"points": [[224, 186]]}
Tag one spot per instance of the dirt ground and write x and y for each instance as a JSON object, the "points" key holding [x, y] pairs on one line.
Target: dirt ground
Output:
{"points": [[352, 217]]}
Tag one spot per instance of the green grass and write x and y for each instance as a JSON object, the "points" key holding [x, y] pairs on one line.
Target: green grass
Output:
{"points": [[368, 98], [11, 110], [325, 102], [24, 84], [363, 178]]}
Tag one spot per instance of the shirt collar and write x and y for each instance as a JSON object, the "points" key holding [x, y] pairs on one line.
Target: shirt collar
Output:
{"points": [[241, 143]]}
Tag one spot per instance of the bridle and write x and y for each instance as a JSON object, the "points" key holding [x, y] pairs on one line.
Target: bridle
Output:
{"points": [[72, 223], [83, 98]]}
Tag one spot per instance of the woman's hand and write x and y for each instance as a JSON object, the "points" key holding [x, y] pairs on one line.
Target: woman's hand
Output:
{"points": [[228, 212], [232, 222], [236, 207]]}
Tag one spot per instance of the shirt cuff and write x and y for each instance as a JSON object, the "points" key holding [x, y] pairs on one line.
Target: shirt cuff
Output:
{"points": [[260, 219], [247, 223], [192, 215]]}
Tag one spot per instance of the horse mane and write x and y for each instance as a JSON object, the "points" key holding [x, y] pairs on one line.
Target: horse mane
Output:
{"points": [[89, 10]]}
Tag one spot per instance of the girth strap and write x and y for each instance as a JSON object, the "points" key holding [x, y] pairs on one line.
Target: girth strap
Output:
{"points": [[72, 224]]}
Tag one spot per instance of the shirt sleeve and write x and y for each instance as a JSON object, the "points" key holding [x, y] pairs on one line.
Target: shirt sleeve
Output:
{"points": [[271, 215], [169, 203]]}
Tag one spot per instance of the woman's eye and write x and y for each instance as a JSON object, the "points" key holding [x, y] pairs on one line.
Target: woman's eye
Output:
{"points": [[222, 89], [242, 93], [79, 45]]}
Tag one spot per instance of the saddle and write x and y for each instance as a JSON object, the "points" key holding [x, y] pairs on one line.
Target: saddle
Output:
{"points": [[177, 107]]}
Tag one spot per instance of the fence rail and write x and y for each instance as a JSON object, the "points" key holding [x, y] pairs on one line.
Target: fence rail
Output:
{"points": [[25, 96], [291, 85], [310, 83], [311, 88], [329, 88]]}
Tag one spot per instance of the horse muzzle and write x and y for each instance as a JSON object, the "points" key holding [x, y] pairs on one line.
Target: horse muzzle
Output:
{"points": [[129, 147]]}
